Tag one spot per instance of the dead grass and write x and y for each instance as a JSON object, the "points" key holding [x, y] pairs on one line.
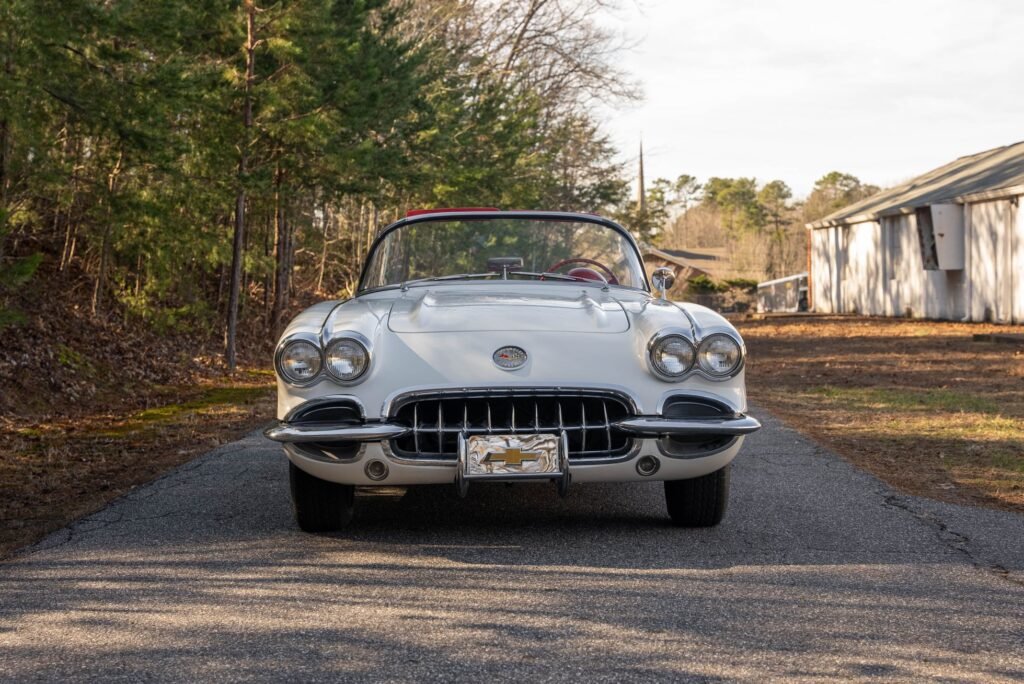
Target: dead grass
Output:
{"points": [[61, 467], [919, 404]]}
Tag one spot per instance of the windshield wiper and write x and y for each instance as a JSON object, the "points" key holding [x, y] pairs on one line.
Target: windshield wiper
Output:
{"points": [[455, 276], [553, 276]]}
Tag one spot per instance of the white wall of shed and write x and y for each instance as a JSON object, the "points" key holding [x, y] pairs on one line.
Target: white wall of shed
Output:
{"points": [[822, 259], [994, 261], [875, 268], [1017, 267], [864, 286]]}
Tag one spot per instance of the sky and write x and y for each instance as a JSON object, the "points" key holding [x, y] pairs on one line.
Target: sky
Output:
{"points": [[793, 89]]}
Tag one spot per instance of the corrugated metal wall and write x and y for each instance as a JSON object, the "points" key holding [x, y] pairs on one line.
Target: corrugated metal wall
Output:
{"points": [[1018, 264], [822, 257], [875, 268], [993, 261]]}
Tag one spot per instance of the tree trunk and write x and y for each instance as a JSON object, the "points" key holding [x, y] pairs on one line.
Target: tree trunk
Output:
{"points": [[325, 217], [99, 292], [282, 250], [5, 147], [234, 289]]}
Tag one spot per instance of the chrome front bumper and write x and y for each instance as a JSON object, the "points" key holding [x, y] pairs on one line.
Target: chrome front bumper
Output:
{"points": [[641, 426]]}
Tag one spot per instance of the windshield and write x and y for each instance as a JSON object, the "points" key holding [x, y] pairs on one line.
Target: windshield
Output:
{"points": [[504, 248]]}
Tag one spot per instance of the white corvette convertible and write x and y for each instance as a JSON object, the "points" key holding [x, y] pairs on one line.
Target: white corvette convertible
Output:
{"points": [[488, 345]]}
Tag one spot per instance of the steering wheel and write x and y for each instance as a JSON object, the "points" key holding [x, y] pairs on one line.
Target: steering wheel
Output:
{"points": [[608, 276]]}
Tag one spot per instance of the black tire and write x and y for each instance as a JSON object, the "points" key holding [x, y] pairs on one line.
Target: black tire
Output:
{"points": [[320, 506], [700, 502]]}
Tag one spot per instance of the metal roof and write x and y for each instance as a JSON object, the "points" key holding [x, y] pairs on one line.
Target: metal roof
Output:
{"points": [[985, 175]]}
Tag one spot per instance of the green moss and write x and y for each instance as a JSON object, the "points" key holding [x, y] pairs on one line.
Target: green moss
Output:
{"points": [[69, 358], [219, 396]]}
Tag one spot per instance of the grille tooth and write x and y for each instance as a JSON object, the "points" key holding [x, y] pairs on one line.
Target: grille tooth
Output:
{"points": [[480, 412], [416, 426], [607, 423], [583, 426]]}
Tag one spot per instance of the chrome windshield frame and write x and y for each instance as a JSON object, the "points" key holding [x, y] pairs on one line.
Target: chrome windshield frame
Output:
{"points": [[441, 216]]}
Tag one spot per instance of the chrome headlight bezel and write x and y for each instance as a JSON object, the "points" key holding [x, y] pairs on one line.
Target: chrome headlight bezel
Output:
{"points": [[290, 342], [664, 337], [706, 342], [348, 337], [322, 346], [696, 367]]}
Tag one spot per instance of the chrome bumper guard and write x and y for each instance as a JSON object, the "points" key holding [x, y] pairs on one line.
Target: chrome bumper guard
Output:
{"points": [[654, 426], [366, 432]]}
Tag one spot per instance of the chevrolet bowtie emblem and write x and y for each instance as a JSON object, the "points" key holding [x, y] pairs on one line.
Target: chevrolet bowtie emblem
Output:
{"points": [[511, 456]]}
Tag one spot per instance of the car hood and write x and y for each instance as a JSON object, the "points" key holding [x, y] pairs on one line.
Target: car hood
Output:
{"points": [[578, 310]]}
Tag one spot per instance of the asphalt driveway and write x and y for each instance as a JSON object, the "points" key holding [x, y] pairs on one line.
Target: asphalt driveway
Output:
{"points": [[818, 571]]}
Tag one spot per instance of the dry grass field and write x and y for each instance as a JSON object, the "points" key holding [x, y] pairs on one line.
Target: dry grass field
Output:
{"points": [[917, 403]]}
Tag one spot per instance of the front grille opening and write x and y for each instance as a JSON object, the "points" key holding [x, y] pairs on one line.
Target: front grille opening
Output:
{"points": [[587, 419], [341, 411]]}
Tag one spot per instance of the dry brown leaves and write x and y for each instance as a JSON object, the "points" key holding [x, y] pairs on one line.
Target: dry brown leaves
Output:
{"points": [[917, 403]]}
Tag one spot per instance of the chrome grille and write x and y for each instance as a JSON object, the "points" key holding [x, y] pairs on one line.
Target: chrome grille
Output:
{"points": [[586, 416]]}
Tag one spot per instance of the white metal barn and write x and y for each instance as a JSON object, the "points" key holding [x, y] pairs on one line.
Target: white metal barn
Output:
{"points": [[946, 245]]}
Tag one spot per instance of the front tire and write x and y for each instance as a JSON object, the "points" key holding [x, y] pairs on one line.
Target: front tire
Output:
{"points": [[700, 502], [320, 506]]}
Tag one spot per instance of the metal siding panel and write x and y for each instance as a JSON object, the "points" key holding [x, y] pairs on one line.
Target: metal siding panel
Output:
{"points": [[912, 290], [821, 275], [1017, 267], [991, 261]]}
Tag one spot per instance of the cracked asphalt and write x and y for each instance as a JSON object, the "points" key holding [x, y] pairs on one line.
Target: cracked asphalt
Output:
{"points": [[819, 571]]}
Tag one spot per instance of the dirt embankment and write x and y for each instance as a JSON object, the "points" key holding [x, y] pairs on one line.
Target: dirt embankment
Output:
{"points": [[91, 407]]}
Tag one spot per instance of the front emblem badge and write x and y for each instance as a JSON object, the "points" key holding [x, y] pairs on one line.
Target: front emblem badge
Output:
{"points": [[509, 358], [512, 457]]}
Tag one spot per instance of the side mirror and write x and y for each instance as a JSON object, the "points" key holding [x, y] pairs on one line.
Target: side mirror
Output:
{"points": [[663, 279]]}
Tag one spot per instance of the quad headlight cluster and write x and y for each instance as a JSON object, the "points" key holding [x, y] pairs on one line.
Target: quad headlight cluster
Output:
{"points": [[673, 356], [301, 361]]}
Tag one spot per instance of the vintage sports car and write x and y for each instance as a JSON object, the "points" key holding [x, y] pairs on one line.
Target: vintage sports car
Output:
{"points": [[486, 345]]}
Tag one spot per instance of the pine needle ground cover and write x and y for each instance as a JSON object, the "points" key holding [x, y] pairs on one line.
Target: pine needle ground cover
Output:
{"points": [[919, 404]]}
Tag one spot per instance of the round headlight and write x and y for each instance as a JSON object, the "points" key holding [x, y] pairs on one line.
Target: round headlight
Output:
{"points": [[347, 359], [672, 355], [720, 355], [300, 361]]}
